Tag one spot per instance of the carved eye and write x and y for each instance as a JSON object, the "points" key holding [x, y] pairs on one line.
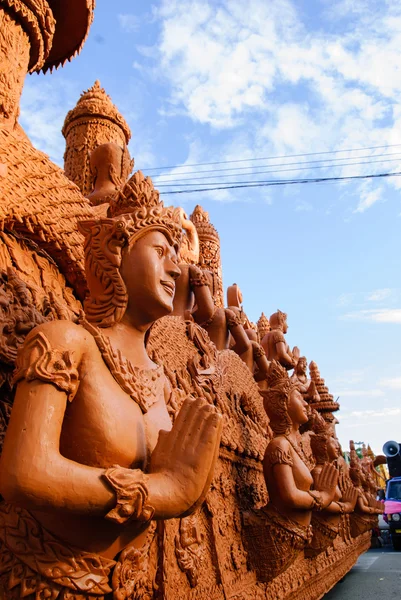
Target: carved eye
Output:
{"points": [[159, 251]]}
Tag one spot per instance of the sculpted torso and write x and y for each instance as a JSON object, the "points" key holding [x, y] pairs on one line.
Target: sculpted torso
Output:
{"points": [[287, 476], [281, 479], [130, 435], [274, 343], [102, 426]]}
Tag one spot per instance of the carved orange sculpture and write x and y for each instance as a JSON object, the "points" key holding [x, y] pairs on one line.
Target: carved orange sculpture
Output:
{"points": [[131, 266], [96, 500], [94, 121], [209, 251], [274, 343], [288, 515]]}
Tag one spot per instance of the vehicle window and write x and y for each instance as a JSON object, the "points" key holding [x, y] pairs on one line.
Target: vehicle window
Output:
{"points": [[394, 490]]}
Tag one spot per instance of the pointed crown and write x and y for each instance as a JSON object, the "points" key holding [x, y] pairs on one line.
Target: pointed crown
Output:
{"points": [[205, 229], [263, 325], [96, 103], [139, 207]]}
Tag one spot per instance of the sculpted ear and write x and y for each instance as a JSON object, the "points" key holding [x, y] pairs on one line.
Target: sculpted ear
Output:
{"points": [[85, 227]]}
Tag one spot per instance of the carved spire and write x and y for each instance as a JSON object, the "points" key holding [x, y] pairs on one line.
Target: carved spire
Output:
{"points": [[263, 325], [209, 251], [95, 120], [326, 403]]}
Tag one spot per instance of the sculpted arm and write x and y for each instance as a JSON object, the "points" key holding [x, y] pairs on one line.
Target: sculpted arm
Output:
{"points": [[284, 355], [34, 475], [242, 341], [261, 361], [287, 490], [278, 456], [347, 502], [203, 295], [363, 506]]}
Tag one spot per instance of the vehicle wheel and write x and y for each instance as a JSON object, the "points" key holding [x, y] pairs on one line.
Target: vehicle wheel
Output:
{"points": [[396, 542]]}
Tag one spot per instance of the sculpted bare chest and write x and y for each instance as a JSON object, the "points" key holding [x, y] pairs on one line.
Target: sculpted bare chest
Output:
{"points": [[104, 425]]}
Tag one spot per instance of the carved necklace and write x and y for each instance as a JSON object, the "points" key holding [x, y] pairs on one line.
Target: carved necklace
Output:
{"points": [[298, 449], [144, 386]]}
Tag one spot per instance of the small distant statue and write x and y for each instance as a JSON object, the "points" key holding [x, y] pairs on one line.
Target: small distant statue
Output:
{"points": [[274, 342], [306, 386], [364, 517], [255, 356], [222, 324], [289, 482], [184, 298]]}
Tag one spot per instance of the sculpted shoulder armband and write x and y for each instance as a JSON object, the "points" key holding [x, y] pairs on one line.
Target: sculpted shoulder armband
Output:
{"points": [[278, 336], [278, 456], [38, 360]]}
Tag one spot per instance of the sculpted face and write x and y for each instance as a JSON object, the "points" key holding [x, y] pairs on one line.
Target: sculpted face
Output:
{"points": [[285, 326], [333, 448], [149, 270], [302, 366], [297, 408]]}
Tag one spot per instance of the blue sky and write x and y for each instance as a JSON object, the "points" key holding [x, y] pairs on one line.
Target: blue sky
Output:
{"points": [[201, 81]]}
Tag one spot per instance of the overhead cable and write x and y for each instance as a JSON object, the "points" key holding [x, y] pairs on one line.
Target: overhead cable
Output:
{"points": [[272, 183], [223, 162], [305, 162], [182, 183]]}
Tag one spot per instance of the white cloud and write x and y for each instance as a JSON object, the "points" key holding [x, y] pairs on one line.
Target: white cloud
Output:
{"points": [[345, 299], [350, 377], [384, 315], [368, 197], [43, 110], [375, 393], [226, 67], [196, 152], [392, 382], [379, 295], [129, 23], [303, 206], [368, 414]]}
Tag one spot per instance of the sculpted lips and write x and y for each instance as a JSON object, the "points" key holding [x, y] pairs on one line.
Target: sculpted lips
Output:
{"points": [[169, 286]]}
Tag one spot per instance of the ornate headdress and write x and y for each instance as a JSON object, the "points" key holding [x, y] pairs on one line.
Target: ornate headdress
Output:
{"points": [[134, 212], [277, 397], [278, 319], [355, 470], [319, 440], [263, 325]]}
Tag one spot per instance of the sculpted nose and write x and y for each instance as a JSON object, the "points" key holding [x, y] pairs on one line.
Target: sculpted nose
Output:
{"points": [[173, 270]]}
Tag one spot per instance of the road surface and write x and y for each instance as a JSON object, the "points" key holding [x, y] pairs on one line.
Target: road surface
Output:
{"points": [[376, 576]]}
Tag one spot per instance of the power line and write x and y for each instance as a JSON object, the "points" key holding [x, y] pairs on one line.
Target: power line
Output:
{"points": [[305, 162], [285, 182], [182, 183], [223, 162]]}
